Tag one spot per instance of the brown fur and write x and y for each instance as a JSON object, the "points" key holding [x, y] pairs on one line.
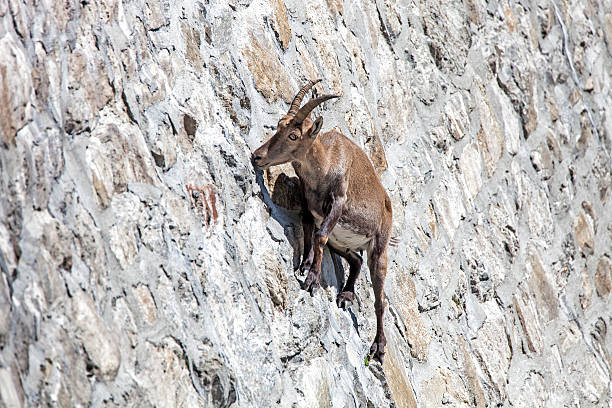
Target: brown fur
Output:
{"points": [[343, 194]]}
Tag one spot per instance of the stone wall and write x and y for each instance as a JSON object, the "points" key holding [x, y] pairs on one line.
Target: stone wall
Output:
{"points": [[145, 263]]}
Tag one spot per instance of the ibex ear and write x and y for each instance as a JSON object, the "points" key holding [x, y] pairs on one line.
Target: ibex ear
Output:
{"points": [[316, 126]]}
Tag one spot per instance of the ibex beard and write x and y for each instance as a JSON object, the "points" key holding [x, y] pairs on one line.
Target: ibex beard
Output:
{"points": [[344, 204]]}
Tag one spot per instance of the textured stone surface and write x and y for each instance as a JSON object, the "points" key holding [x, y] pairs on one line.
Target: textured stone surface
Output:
{"points": [[100, 346], [15, 88], [603, 282], [144, 262]]}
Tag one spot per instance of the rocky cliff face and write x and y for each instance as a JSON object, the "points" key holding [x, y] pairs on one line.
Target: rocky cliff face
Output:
{"points": [[145, 263]]}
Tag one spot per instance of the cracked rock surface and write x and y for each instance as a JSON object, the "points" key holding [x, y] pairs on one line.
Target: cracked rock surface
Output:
{"points": [[144, 262]]}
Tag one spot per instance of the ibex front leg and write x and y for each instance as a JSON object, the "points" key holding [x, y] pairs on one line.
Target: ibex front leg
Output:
{"points": [[330, 219], [308, 225]]}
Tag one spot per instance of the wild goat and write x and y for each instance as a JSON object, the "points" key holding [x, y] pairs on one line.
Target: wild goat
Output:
{"points": [[342, 196]]}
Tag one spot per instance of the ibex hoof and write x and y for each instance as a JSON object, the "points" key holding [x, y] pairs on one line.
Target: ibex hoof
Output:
{"points": [[311, 282], [344, 298], [305, 268], [378, 351]]}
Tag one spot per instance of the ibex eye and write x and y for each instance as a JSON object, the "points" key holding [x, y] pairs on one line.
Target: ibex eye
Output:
{"points": [[293, 136]]}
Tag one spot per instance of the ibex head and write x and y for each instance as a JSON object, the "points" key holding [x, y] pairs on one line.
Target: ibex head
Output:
{"points": [[295, 132]]}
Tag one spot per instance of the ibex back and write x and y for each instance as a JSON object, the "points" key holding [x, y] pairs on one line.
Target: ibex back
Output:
{"points": [[342, 197]]}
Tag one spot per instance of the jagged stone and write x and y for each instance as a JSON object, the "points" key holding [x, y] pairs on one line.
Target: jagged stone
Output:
{"points": [[269, 76], [528, 316], [100, 345], [15, 88], [603, 279], [583, 230], [282, 28], [548, 304], [490, 138]]}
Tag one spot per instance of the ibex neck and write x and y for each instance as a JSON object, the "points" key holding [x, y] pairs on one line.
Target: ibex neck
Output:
{"points": [[313, 164]]}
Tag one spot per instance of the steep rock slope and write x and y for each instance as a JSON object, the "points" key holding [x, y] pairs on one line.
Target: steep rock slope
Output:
{"points": [[145, 263]]}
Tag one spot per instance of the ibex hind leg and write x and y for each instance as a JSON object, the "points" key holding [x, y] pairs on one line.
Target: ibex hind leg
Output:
{"points": [[377, 263], [347, 295]]}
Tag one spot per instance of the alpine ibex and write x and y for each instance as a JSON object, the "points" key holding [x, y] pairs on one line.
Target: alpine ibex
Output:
{"points": [[342, 196]]}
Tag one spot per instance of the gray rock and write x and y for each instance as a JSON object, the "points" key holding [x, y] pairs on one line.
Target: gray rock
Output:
{"points": [[101, 347], [144, 261], [146, 192]]}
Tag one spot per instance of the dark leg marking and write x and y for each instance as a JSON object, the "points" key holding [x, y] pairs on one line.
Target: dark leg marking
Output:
{"points": [[377, 262], [308, 227], [329, 222], [347, 295]]}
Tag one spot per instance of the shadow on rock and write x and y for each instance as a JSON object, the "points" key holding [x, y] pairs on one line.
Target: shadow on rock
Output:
{"points": [[282, 196]]}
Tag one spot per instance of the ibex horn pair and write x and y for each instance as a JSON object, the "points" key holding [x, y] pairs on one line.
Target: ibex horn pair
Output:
{"points": [[299, 114]]}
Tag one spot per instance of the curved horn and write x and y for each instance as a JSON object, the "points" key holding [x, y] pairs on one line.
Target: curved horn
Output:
{"points": [[310, 105], [297, 101]]}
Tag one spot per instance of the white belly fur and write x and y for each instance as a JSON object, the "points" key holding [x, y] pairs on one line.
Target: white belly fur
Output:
{"points": [[343, 238]]}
